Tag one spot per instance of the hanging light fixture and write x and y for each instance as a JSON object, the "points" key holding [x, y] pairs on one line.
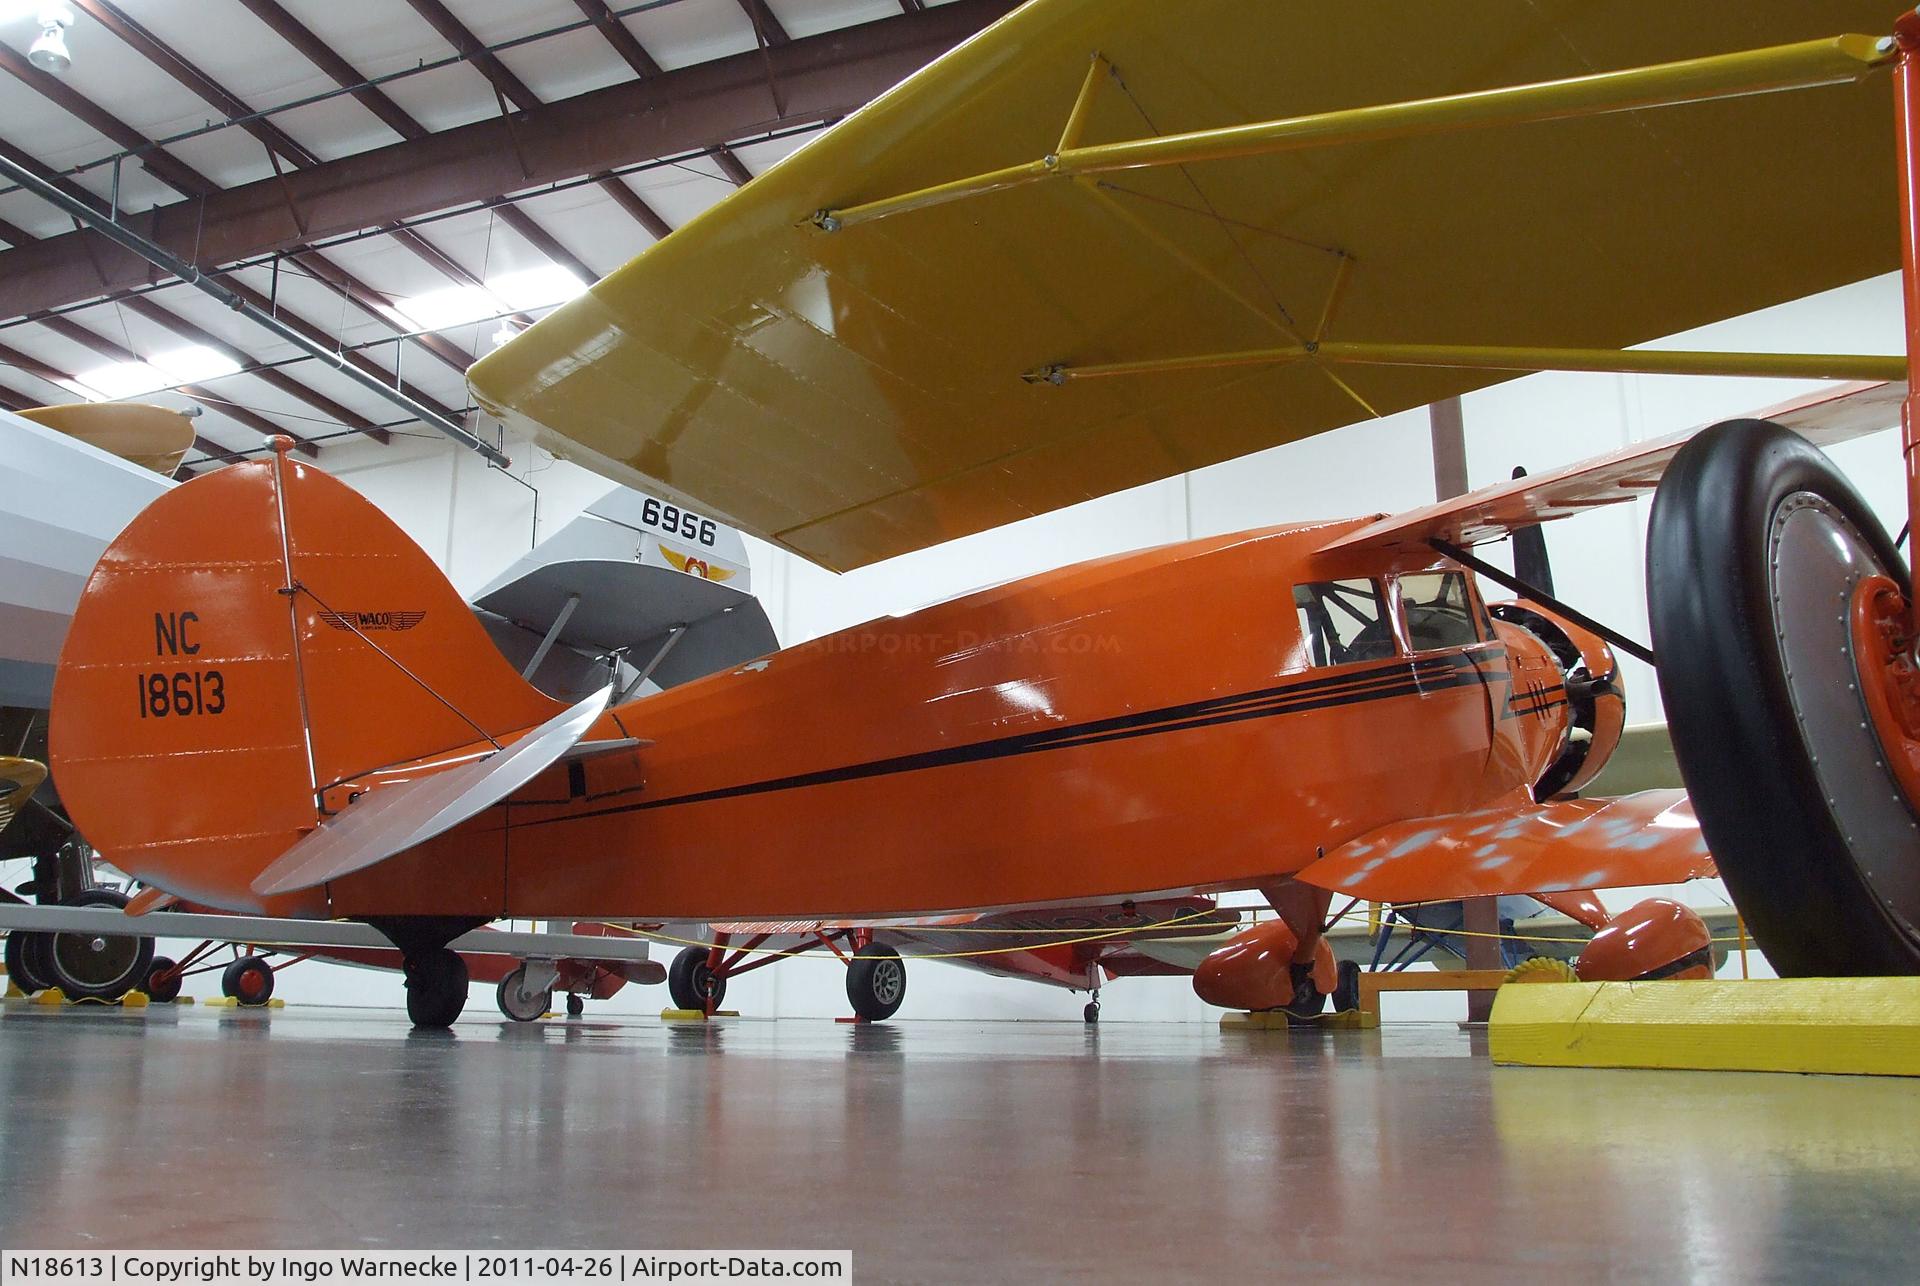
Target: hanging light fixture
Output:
{"points": [[50, 53]]}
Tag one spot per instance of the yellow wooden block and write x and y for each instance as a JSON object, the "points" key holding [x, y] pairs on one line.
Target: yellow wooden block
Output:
{"points": [[695, 1015], [51, 996], [1853, 1026]]}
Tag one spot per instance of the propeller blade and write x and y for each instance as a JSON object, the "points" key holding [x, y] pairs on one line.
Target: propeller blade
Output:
{"points": [[1530, 552]]}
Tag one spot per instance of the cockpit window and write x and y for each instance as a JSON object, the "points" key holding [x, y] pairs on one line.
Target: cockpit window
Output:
{"points": [[1343, 621], [1440, 611]]}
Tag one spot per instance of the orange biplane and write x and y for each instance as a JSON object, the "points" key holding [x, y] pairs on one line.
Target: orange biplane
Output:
{"points": [[1016, 282]]}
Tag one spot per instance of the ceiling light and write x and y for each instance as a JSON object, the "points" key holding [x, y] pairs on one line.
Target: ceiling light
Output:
{"points": [[49, 53], [194, 363], [453, 306], [117, 380], [536, 287], [506, 332]]}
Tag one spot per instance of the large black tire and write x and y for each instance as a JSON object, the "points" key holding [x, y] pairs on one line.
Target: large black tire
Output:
{"points": [[517, 1005], [436, 988], [876, 982], [91, 966], [248, 980], [691, 983], [21, 949], [1755, 544], [163, 984]]}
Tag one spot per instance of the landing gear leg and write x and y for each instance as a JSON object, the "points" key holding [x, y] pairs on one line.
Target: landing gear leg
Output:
{"points": [[436, 978]]}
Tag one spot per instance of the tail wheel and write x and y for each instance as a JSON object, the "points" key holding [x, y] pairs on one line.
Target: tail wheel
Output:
{"points": [[248, 980], [692, 982], [436, 987], [576, 1005], [92, 966], [21, 949], [1091, 1012], [520, 1005], [1756, 555], [876, 982], [163, 981]]}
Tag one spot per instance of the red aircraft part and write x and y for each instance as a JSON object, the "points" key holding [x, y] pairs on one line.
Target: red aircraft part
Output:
{"points": [[1656, 938]]}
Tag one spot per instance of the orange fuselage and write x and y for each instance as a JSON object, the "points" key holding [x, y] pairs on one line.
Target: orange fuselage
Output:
{"points": [[1144, 723]]}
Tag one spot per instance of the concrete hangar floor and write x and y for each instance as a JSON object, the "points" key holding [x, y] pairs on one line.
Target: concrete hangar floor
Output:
{"points": [[944, 1151]]}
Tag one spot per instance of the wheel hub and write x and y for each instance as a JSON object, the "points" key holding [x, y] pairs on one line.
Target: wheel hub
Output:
{"points": [[1839, 622], [1889, 679]]}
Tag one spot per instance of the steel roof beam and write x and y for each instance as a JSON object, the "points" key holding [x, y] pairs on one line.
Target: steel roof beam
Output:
{"points": [[210, 286], [765, 26], [635, 55], [687, 109]]}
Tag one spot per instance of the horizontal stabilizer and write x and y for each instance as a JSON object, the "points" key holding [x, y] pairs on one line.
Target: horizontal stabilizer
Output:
{"points": [[1493, 513], [1519, 847], [390, 819]]}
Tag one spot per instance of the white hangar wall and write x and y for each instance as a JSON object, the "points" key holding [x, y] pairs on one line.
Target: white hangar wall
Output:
{"points": [[473, 521]]}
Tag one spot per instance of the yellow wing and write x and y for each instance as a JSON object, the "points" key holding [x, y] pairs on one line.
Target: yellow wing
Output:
{"points": [[153, 437], [856, 394]]}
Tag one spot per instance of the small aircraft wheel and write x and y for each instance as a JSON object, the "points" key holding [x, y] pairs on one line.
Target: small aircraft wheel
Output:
{"points": [[692, 983], [436, 987], [1755, 551], [22, 947], [92, 966], [163, 984], [248, 980], [576, 1005], [1308, 1000], [517, 1004], [876, 982], [1346, 987], [1091, 1014]]}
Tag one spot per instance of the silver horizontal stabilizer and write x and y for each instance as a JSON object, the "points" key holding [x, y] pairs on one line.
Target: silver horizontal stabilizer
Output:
{"points": [[392, 818]]}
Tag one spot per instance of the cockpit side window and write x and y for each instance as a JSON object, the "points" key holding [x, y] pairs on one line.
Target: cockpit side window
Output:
{"points": [[1343, 621], [1440, 611]]}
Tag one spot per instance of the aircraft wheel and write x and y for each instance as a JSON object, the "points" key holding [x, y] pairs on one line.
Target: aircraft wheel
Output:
{"points": [[576, 1005], [518, 1004], [248, 980], [876, 982], [163, 984], [21, 949], [436, 987], [1346, 988], [692, 983], [1091, 1014], [1759, 558], [92, 966]]}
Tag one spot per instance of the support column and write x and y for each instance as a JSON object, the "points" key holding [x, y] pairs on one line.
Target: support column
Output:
{"points": [[1482, 915]]}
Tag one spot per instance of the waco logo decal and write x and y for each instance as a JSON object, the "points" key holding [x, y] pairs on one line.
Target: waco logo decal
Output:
{"points": [[695, 566], [372, 620]]}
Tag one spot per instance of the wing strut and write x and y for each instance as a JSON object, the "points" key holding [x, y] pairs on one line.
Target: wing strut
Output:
{"points": [[1545, 600]]}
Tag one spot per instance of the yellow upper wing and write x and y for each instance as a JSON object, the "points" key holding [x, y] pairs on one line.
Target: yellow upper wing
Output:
{"points": [[858, 394], [153, 437]]}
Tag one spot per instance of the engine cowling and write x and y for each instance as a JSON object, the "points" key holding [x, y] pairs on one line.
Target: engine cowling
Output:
{"points": [[1596, 698]]}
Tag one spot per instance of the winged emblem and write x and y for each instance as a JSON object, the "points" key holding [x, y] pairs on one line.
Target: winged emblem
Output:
{"points": [[695, 566]]}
